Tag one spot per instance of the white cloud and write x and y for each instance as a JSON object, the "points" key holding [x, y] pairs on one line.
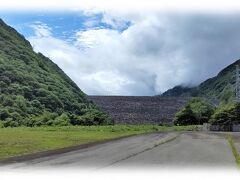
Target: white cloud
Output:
{"points": [[155, 53], [94, 38], [41, 29], [115, 21]]}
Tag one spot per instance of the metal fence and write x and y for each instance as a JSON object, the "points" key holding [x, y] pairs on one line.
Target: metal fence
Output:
{"points": [[221, 127]]}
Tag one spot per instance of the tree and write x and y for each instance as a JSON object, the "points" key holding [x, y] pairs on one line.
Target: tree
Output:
{"points": [[185, 117], [4, 114], [196, 111], [202, 110], [34, 91], [227, 114]]}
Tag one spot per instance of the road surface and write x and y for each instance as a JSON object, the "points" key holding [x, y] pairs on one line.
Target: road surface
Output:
{"points": [[188, 149]]}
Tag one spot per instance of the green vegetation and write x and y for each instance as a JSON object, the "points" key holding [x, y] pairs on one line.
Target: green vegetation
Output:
{"points": [[199, 111], [179, 90], [234, 150], [217, 89], [196, 111], [226, 114], [34, 91], [25, 140]]}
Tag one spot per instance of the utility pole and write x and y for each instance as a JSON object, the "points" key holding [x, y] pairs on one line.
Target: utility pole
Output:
{"points": [[237, 83]]}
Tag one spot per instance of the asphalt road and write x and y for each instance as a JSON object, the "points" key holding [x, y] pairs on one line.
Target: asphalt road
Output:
{"points": [[189, 149]]}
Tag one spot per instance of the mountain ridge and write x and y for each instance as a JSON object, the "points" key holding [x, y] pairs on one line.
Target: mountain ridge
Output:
{"points": [[34, 90], [220, 87]]}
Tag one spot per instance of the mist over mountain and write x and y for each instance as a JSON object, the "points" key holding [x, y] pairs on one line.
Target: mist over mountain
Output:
{"points": [[220, 87]]}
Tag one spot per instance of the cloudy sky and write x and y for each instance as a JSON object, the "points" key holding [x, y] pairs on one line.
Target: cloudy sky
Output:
{"points": [[132, 53]]}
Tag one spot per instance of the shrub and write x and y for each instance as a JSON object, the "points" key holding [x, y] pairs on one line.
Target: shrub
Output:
{"points": [[15, 116], [1, 124], [44, 119], [91, 117], [62, 120], [10, 123], [196, 111], [4, 114], [227, 114]]}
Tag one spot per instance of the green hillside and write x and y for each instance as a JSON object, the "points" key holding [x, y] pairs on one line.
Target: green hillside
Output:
{"points": [[34, 91], [220, 88]]}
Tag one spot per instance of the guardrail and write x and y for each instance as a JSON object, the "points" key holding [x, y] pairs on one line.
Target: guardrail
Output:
{"points": [[221, 127]]}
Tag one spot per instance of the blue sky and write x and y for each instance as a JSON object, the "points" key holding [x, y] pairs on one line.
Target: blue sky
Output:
{"points": [[132, 53], [63, 24]]}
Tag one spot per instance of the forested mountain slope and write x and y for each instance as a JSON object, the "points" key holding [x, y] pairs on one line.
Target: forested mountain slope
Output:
{"points": [[220, 88], [35, 91]]}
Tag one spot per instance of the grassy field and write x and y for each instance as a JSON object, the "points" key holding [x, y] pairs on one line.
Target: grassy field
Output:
{"points": [[24, 140]]}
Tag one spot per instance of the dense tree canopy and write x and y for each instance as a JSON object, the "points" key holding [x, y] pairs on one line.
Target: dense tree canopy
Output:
{"points": [[227, 114], [34, 91], [196, 111]]}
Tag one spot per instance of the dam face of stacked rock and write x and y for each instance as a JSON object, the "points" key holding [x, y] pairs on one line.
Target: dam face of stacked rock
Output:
{"points": [[140, 109]]}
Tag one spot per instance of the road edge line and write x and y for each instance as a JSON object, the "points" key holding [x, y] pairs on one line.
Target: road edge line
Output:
{"points": [[234, 150]]}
